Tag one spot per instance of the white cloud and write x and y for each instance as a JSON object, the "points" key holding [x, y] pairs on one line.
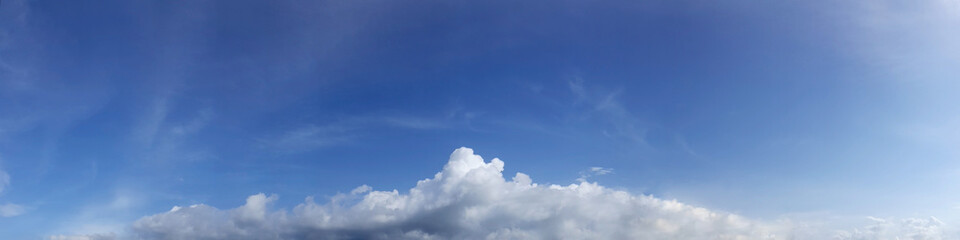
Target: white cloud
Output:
{"points": [[620, 123], [916, 45], [593, 171], [909, 228], [107, 236], [470, 199], [311, 136], [10, 210]]}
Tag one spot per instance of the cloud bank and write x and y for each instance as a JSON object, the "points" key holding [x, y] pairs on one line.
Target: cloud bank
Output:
{"points": [[471, 199]]}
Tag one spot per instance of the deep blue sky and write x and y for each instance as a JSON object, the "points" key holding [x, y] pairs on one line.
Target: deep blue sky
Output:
{"points": [[113, 110]]}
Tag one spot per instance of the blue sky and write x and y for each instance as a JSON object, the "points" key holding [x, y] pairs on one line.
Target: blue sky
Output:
{"points": [[112, 111]]}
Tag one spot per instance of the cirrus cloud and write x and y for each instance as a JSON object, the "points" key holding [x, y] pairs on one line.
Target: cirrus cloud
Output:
{"points": [[8, 209]]}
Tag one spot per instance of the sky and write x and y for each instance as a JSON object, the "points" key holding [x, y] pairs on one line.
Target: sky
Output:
{"points": [[494, 119]]}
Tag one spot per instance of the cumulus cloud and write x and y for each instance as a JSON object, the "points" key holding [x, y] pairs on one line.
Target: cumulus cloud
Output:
{"points": [[468, 199], [471, 199]]}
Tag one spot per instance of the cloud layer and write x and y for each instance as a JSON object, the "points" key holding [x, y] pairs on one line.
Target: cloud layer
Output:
{"points": [[470, 199]]}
